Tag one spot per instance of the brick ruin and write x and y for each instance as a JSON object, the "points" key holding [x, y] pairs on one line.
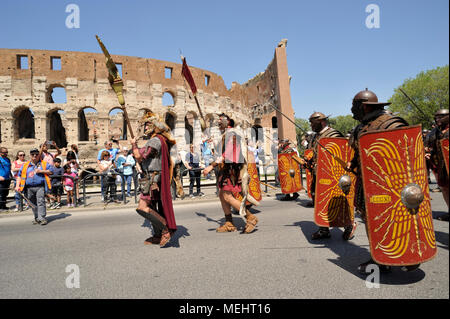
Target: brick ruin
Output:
{"points": [[91, 113]]}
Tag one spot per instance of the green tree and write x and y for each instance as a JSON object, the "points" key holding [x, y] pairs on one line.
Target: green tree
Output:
{"points": [[304, 124], [343, 123], [429, 90]]}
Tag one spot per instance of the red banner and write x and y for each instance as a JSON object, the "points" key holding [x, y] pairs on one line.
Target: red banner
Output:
{"points": [[188, 76]]}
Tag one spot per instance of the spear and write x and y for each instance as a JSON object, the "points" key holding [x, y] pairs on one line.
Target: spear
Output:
{"points": [[339, 160], [116, 83], [417, 107]]}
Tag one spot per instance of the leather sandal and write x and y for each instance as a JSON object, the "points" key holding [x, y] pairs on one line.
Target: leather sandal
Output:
{"points": [[251, 224], [165, 238], [227, 227], [155, 240]]}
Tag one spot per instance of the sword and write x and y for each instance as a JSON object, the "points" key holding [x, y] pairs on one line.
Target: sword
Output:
{"points": [[339, 160]]}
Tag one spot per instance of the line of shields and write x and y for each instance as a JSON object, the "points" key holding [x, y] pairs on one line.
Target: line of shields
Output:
{"points": [[398, 212]]}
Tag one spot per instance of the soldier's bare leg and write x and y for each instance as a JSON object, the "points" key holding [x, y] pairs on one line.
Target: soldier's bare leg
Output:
{"points": [[228, 200]]}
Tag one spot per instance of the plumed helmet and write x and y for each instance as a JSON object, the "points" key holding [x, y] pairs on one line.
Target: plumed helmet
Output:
{"points": [[154, 121], [317, 116]]}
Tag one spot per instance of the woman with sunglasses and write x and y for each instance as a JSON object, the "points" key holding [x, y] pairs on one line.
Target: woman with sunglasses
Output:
{"points": [[15, 168]]}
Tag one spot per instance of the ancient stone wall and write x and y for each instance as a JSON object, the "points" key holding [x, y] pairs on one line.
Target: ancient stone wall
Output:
{"points": [[91, 113]]}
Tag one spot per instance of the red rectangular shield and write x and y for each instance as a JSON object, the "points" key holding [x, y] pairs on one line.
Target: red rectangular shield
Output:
{"points": [[289, 173], [333, 207], [393, 161]]}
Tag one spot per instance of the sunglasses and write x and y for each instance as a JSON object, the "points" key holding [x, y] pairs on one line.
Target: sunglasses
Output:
{"points": [[34, 154], [21, 154]]}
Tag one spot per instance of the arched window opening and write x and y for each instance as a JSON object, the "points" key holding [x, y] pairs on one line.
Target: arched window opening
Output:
{"points": [[167, 99], [24, 123], [87, 128], [56, 94], [170, 120], [55, 129], [117, 125], [274, 122], [189, 128], [257, 133]]}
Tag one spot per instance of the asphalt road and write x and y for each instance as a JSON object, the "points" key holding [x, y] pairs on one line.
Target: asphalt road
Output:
{"points": [[276, 261]]}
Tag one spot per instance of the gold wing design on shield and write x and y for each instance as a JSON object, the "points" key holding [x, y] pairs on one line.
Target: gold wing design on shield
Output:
{"points": [[394, 168], [337, 203], [284, 167]]}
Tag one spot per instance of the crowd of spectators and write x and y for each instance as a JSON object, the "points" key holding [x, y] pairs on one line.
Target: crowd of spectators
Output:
{"points": [[56, 176]]}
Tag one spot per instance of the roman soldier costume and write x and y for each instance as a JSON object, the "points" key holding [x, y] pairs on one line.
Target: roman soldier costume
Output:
{"points": [[319, 124], [289, 170], [233, 176], [392, 186], [155, 203]]}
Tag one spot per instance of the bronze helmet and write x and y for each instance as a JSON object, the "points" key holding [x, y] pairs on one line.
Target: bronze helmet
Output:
{"points": [[317, 116], [365, 96], [441, 118], [441, 112]]}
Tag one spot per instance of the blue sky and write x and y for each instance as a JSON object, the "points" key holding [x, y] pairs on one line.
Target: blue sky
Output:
{"points": [[331, 53]]}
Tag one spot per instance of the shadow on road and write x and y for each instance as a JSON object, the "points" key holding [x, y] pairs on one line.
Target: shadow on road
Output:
{"points": [[349, 255], [308, 203], [56, 217], [439, 214], [237, 221], [175, 240], [442, 238]]}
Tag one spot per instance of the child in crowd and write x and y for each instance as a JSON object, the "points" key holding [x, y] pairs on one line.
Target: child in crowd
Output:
{"points": [[69, 184], [15, 168], [57, 187]]}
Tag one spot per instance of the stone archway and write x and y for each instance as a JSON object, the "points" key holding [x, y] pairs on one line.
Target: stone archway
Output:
{"points": [[87, 124], [55, 129], [170, 119], [189, 122], [24, 126]]}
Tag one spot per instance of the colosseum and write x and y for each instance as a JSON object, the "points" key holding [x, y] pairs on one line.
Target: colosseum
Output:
{"points": [[91, 114]]}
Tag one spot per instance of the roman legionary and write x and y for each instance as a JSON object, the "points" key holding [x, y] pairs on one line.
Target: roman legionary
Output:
{"points": [[291, 167], [319, 124], [232, 175], [437, 152], [155, 203], [367, 110]]}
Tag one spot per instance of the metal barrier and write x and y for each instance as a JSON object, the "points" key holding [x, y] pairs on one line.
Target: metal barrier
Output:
{"points": [[75, 199], [102, 176]]}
